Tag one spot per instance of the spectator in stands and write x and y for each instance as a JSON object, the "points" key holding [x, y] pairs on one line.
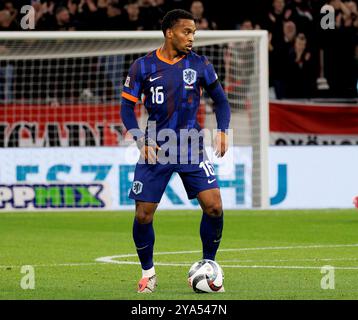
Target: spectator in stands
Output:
{"points": [[80, 13], [338, 45], [87, 5], [202, 21], [40, 14], [300, 76], [280, 48], [302, 16], [275, 17], [113, 15], [248, 24], [89, 16], [63, 20], [116, 18], [72, 7], [8, 14], [150, 14], [44, 14], [134, 21], [162, 7], [352, 19], [289, 32]]}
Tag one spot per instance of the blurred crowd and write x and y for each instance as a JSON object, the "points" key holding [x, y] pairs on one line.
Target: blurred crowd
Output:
{"points": [[305, 60], [71, 15]]}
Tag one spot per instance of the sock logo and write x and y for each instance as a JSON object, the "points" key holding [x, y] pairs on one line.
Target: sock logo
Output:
{"points": [[137, 187], [142, 247]]}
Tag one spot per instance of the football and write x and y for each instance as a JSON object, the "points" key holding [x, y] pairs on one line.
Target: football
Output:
{"points": [[206, 276]]}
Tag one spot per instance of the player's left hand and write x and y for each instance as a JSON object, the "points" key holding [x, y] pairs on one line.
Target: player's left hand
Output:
{"points": [[221, 144]]}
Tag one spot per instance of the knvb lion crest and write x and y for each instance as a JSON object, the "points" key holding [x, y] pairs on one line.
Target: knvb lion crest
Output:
{"points": [[137, 187], [189, 76]]}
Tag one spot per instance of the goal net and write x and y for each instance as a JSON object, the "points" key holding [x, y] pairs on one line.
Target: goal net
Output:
{"points": [[62, 89]]}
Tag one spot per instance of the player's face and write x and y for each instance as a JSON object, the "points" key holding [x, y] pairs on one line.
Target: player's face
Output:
{"points": [[182, 35]]}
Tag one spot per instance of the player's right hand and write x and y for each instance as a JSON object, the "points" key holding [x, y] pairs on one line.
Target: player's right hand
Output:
{"points": [[148, 149], [150, 154]]}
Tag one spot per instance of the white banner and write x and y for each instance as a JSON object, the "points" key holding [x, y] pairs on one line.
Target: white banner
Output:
{"points": [[313, 177], [304, 139], [100, 178]]}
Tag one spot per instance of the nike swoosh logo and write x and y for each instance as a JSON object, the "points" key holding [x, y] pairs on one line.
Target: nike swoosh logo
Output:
{"points": [[153, 79], [211, 181], [215, 241], [142, 247]]}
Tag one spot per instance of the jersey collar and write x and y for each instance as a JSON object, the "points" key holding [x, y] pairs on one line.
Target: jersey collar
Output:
{"points": [[160, 57]]}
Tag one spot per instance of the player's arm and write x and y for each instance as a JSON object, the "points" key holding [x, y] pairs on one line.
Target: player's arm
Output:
{"points": [[146, 146], [221, 106], [131, 92], [129, 119], [222, 113]]}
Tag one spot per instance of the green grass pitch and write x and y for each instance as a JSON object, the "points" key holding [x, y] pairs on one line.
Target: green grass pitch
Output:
{"points": [[264, 254]]}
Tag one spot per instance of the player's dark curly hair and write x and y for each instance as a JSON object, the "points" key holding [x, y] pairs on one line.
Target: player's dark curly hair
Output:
{"points": [[172, 17]]}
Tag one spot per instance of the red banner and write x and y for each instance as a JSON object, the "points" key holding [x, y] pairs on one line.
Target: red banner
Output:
{"points": [[295, 123], [65, 125]]}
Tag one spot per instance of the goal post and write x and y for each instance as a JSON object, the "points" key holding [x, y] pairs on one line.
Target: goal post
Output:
{"points": [[263, 199], [75, 79]]}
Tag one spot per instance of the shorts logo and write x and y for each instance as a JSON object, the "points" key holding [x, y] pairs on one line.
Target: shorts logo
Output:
{"points": [[189, 76], [137, 187], [128, 80]]}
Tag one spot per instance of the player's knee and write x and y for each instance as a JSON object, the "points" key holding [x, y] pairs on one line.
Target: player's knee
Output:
{"points": [[144, 215], [144, 212], [214, 209]]}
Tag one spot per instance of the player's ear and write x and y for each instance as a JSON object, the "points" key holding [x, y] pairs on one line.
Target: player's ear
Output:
{"points": [[169, 33]]}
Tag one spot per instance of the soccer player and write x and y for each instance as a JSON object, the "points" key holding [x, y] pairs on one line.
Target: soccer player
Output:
{"points": [[171, 78]]}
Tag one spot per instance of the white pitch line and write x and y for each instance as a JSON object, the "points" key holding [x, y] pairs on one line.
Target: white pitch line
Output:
{"points": [[318, 246], [168, 264], [109, 259], [286, 267], [288, 260], [53, 265], [181, 265]]}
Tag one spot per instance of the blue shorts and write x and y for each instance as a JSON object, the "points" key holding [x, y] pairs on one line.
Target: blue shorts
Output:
{"points": [[150, 180]]}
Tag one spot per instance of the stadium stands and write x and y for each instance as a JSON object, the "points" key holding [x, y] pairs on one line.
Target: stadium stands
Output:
{"points": [[305, 60]]}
